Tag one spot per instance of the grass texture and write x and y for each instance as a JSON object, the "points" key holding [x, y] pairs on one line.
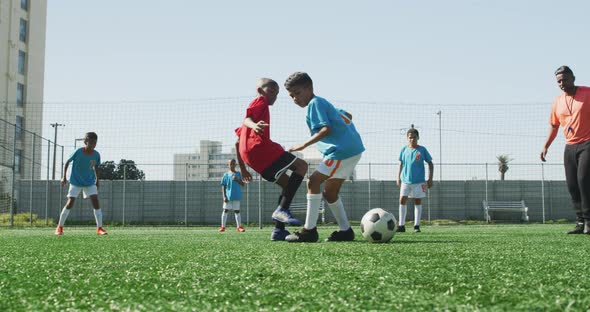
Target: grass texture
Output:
{"points": [[459, 268]]}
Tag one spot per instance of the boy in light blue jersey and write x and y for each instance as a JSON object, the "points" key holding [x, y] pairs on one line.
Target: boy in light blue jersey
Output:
{"points": [[84, 179], [231, 190], [336, 138], [410, 178]]}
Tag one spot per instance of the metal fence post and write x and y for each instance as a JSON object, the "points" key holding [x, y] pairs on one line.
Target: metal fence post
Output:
{"points": [[486, 182], [47, 193], [124, 191], [13, 178], [186, 194], [32, 177], [260, 202], [543, 190], [370, 186]]}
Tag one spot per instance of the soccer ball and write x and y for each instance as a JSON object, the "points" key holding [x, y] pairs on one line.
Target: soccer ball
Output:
{"points": [[378, 226]]}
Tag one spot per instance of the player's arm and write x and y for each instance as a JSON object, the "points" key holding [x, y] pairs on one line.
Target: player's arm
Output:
{"points": [[399, 172], [318, 136], [550, 137], [96, 175], [246, 176], [258, 127], [223, 194], [64, 178], [430, 174]]}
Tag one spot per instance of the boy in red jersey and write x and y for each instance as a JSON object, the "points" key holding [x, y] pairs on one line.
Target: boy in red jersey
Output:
{"points": [[255, 148]]}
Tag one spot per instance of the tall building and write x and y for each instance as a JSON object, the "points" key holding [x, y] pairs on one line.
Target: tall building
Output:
{"points": [[208, 163], [22, 69]]}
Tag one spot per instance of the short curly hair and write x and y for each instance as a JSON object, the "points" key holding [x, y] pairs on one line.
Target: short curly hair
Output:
{"points": [[298, 79]]}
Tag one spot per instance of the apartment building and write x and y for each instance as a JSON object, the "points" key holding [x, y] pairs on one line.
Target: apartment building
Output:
{"points": [[22, 67]]}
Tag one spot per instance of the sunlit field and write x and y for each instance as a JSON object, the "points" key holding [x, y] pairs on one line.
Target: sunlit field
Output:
{"points": [[469, 267]]}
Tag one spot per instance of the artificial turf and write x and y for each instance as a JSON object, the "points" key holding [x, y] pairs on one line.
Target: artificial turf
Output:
{"points": [[458, 268]]}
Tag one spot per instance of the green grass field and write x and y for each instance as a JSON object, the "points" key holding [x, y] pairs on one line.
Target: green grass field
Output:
{"points": [[465, 268]]}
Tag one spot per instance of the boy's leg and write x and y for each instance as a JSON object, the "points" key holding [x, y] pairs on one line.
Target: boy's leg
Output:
{"points": [[417, 211], [92, 192], [224, 214], [298, 168], [309, 232], [276, 173], [73, 193], [335, 204]]}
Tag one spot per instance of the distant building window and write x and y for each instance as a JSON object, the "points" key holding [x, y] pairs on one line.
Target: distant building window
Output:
{"points": [[23, 30], [20, 94], [24, 4], [20, 125], [18, 154], [21, 62]]}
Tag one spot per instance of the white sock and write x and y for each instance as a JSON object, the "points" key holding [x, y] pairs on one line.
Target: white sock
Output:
{"points": [[417, 214], [337, 209], [238, 219], [313, 210], [402, 214], [63, 216], [98, 217], [223, 218]]}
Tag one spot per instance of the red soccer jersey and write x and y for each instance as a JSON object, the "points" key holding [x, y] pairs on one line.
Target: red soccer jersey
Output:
{"points": [[258, 151], [573, 114]]}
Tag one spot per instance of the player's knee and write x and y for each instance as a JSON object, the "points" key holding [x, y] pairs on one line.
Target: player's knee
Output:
{"points": [[226, 210], [236, 211], [301, 167]]}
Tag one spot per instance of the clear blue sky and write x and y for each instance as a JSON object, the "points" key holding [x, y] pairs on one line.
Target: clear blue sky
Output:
{"points": [[414, 52]]}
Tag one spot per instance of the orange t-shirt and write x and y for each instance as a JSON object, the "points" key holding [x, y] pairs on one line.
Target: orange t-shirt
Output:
{"points": [[573, 114]]}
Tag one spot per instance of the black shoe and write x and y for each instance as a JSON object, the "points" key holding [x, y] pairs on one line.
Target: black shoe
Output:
{"points": [[417, 229], [303, 236], [401, 228], [579, 229], [341, 236]]}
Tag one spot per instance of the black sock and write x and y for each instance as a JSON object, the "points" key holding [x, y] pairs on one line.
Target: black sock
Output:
{"points": [[279, 225], [289, 191]]}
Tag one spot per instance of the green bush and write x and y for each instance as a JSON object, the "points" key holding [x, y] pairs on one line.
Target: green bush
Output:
{"points": [[24, 219]]}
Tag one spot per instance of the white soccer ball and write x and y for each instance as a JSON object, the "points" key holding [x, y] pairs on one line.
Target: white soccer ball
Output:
{"points": [[378, 226]]}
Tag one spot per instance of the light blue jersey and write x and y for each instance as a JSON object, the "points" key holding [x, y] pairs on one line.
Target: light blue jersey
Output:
{"points": [[83, 165], [233, 189], [343, 141], [412, 160]]}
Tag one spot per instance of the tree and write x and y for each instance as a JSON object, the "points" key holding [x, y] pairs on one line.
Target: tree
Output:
{"points": [[124, 169], [503, 165]]}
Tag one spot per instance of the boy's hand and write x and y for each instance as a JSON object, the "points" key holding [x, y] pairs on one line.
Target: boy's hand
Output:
{"points": [[296, 148], [398, 182], [64, 181], [429, 183], [260, 127], [246, 176]]}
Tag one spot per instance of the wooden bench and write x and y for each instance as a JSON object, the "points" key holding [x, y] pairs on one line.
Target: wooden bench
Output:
{"points": [[302, 207], [505, 206]]}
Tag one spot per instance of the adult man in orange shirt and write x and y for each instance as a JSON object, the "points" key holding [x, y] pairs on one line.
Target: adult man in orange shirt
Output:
{"points": [[571, 110]]}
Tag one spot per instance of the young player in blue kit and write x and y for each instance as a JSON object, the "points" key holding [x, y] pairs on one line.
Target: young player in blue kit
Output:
{"points": [[84, 179], [410, 178], [231, 191], [341, 147]]}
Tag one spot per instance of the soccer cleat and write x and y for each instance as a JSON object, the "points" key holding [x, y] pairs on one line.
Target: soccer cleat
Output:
{"points": [[579, 229], [417, 229], [285, 216], [279, 234], [401, 228], [241, 229], [303, 236], [101, 231], [222, 229], [341, 236], [59, 230]]}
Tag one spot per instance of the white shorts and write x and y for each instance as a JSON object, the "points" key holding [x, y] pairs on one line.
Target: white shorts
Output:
{"points": [[232, 205], [417, 190], [74, 191], [339, 169]]}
